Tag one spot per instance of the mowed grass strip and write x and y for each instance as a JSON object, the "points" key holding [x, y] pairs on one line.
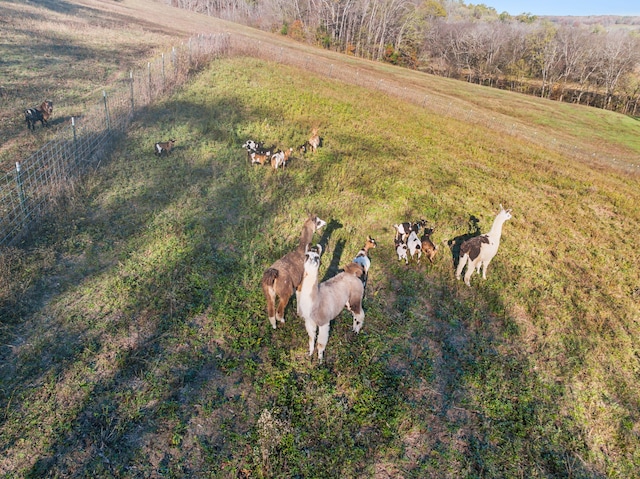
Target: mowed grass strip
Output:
{"points": [[137, 344]]}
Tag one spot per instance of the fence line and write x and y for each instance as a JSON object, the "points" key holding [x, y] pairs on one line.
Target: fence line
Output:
{"points": [[27, 191]]}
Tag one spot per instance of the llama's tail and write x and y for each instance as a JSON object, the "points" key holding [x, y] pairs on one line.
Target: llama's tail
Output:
{"points": [[269, 277]]}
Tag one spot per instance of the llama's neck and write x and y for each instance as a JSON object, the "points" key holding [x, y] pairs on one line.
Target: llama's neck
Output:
{"points": [[308, 291], [305, 238], [496, 228]]}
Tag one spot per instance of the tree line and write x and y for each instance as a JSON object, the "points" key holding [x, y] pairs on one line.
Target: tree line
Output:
{"points": [[596, 64]]}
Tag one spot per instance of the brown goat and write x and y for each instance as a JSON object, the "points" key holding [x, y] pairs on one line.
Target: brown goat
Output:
{"points": [[260, 158], [428, 248], [164, 147], [285, 275]]}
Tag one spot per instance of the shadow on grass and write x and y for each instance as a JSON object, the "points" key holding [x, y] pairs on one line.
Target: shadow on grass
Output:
{"points": [[176, 375]]}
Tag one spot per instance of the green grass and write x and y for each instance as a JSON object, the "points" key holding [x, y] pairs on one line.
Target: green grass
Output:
{"points": [[135, 338]]}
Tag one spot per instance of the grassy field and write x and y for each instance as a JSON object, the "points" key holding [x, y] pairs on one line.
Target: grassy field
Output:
{"points": [[134, 340]]}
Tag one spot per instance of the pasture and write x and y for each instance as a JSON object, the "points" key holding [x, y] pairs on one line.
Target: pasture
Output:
{"points": [[134, 339]]}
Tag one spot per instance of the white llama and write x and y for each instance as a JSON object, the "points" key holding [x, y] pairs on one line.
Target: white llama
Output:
{"points": [[480, 250], [320, 303]]}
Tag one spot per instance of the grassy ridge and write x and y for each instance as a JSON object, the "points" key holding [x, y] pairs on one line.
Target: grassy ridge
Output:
{"points": [[139, 345]]}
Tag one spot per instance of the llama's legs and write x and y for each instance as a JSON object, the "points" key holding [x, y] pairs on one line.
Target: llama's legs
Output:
{"points": [[485, 265], [282, 304], [298, 312], [323, 337], [461, 262], [467, 275], [270, 294], [311, 331]]}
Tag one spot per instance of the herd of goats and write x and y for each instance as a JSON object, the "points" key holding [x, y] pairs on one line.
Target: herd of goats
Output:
{"points": [[297, 271], [319, 303]]}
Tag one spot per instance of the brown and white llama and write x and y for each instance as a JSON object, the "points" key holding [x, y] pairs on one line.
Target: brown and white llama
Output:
{"points": [[284, 276], [478, 251], [320, 303]]}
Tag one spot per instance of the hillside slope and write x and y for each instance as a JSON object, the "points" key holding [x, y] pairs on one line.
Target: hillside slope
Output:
{"points": [[134, 339]]}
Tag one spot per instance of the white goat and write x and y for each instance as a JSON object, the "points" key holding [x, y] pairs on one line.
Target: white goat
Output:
{"points": [[320, 303], [280, 158], [480, 250], [414, 245]]}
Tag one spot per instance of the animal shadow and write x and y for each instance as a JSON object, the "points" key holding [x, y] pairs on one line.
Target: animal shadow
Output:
{"points": [[455, 243], [334, 266], [327, 231]]}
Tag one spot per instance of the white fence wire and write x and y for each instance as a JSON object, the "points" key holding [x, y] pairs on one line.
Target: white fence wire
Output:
{"points": [[27, 191]]}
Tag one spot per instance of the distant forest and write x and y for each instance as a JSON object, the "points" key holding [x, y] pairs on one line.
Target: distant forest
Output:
{"points": [[588, 60]]}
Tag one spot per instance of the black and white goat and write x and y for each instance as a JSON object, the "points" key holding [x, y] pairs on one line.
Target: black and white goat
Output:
{"points": [[414, 245], [39, 114], [257, 153], [403, 230], [401, 251], [163, 148]]}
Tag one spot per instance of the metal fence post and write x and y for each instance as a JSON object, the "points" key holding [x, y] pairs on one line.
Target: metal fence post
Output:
{"points": [[149, 78], [106, 110], [21, 195], [173, 60], [75, 142], [131, 88], [163, 79]]}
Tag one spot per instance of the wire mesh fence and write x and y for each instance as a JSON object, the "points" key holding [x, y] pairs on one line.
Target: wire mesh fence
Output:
{"points": [[30, 189]]}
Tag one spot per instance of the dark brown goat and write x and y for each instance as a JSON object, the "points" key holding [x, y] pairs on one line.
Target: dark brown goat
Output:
{"points": [[285, 275], [40, 114]]}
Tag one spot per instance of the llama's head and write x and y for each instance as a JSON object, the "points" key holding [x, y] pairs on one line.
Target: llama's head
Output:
{"points": [[318, 223], [312, 257], [504, 214]]}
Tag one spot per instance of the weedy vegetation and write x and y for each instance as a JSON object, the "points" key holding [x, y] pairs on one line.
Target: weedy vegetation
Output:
{"points": [[134, 340]]}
